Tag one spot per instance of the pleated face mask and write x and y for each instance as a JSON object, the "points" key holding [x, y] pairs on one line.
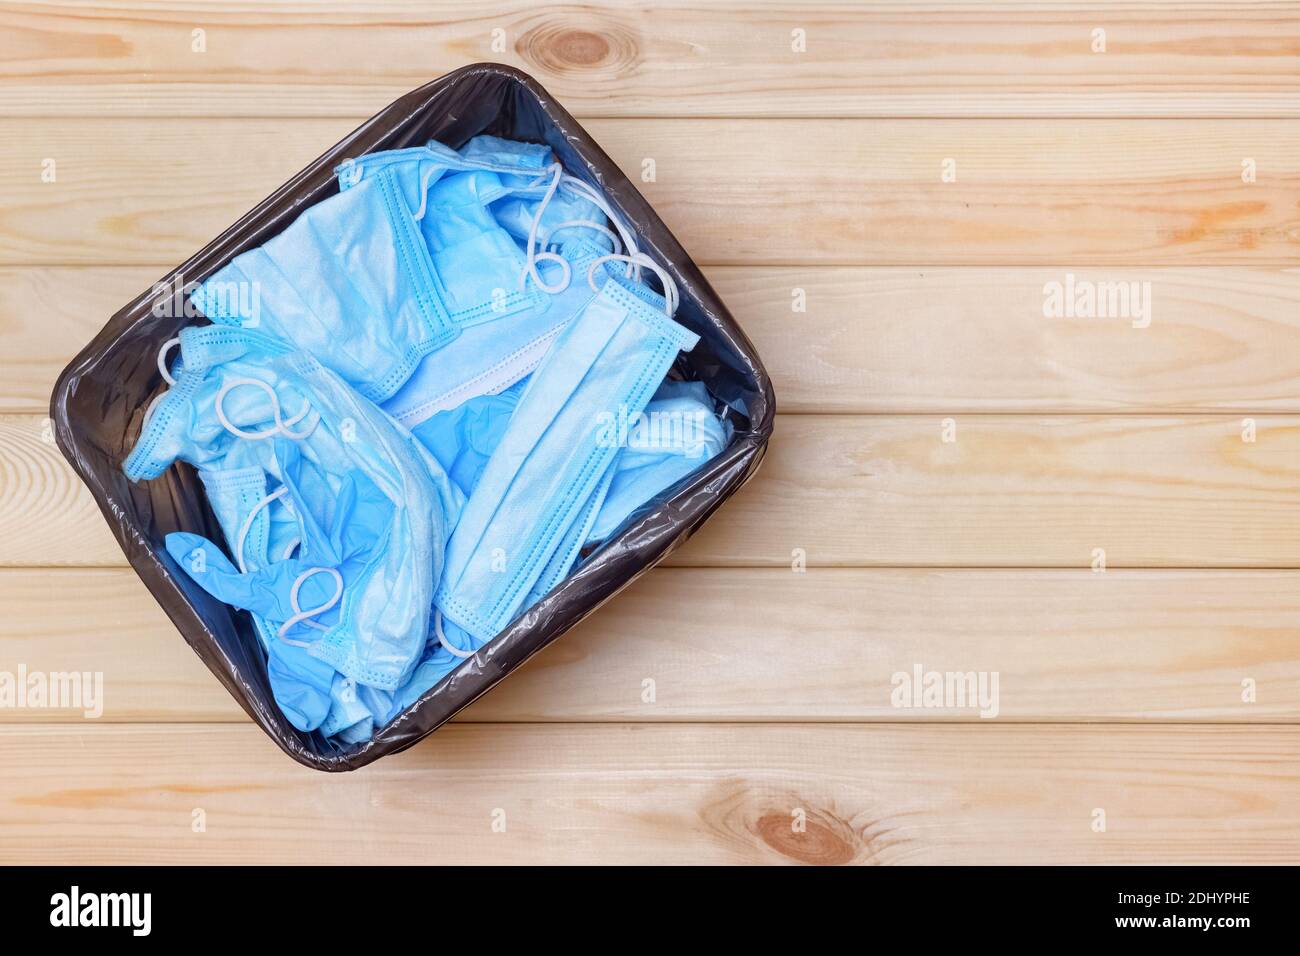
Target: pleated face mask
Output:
{"points": [[432, 278], [555, 231], [372, 280], [538, 487], [353, 583]]}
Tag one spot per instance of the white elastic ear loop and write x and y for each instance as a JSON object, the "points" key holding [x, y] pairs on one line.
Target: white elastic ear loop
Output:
{"points": [[442, 638], [300, 616], [424, 191], [575, 185], [281, 426], [149, 409], [248, 524], [167, 377], [162, 359], [530, 266], [670, 287], [303, 616]]}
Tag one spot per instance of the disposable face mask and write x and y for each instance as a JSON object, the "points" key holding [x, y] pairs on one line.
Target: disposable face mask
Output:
{"points": [[490, 356], [565, 228], [495, 151], [563, 236], [610, 358], [349, 282], [675, 434], [520, 204], [370, 501], [362, 283]]}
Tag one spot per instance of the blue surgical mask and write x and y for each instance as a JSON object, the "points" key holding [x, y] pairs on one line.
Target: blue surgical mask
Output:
{"points": [[372, 280], [371, 502], [677, 433], [489, 357], [349, 282], [564, 234], [406, 283], [611, 357]]}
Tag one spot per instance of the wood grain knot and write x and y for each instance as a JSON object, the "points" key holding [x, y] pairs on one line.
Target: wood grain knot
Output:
{"points": [[564, 49], [822, 839]]}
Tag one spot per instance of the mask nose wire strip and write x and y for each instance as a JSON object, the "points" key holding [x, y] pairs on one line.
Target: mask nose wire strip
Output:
{"points": [[281, 426], [442, 638]]}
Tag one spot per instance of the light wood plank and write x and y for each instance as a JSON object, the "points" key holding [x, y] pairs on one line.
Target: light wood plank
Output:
{"points": [[875, 340], [674, 59], [887, 794], [1018, 491], [762, 645], [741, 192], [48, 315], [947, 340]]}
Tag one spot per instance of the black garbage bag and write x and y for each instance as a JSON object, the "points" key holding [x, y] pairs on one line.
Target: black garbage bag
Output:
{"points": [[100, 398]]}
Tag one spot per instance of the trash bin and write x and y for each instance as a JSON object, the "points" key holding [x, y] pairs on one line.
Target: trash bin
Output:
{"points": [[101, 396]]}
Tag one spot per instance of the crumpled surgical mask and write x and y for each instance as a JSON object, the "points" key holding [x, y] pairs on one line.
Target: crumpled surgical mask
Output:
{"points": [[399, 264], [370, 502], [488, 357], [562, 233]]}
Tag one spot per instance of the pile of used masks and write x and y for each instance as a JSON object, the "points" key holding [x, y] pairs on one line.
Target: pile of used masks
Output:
{"points": [[415, 410]]}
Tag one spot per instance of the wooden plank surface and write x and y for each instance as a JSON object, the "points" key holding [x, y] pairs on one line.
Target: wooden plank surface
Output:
{"points": [[624, 58], [764, 645], [742, 192], [707, 793], [1009, 491], [896, 340], [923, 301]]}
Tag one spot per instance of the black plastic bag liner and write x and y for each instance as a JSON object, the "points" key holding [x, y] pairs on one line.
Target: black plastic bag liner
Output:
{"points": [[101, 397]]}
